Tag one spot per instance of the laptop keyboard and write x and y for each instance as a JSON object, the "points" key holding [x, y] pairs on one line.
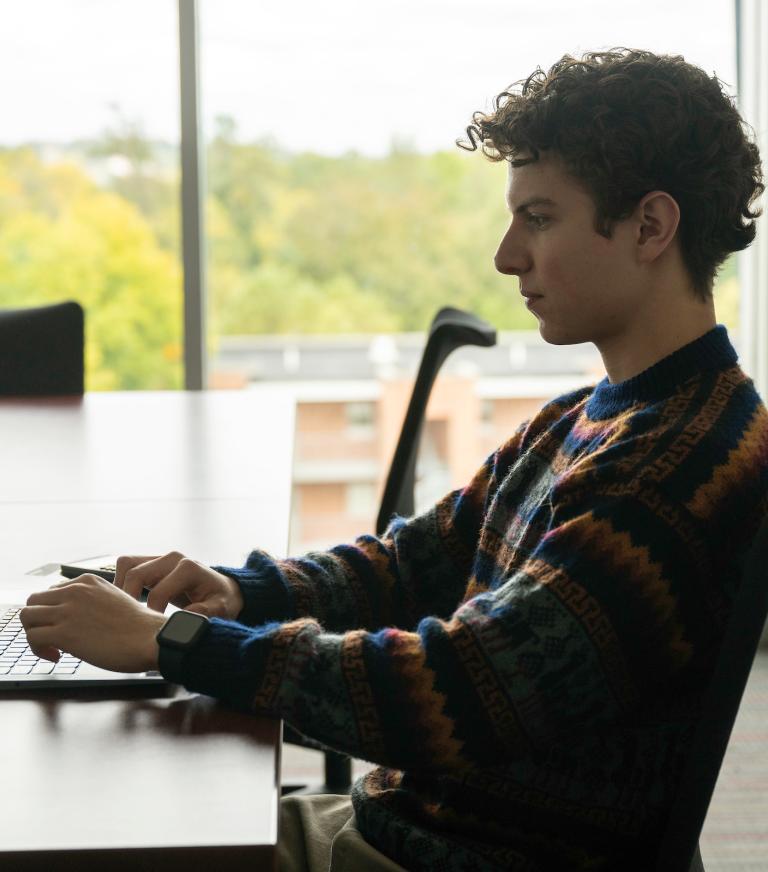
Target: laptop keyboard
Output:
{"points": [[16, 657]]}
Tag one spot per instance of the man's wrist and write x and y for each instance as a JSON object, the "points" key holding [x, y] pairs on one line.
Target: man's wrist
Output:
{"points": [[237, 601], [151, 648]]}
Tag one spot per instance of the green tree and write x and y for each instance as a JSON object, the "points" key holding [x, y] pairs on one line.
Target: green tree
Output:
{"points": [[142, 172], [406, 233], [63, 238]]}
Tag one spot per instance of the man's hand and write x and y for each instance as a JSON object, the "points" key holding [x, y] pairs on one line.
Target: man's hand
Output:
{"points": [[93, 620], [186, 583]]}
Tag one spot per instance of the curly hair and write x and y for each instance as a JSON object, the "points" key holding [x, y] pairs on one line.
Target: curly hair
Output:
{"points": [[626, 122]]}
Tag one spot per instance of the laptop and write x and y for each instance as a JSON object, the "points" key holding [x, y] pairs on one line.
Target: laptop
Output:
{"points": [[20, 668]]}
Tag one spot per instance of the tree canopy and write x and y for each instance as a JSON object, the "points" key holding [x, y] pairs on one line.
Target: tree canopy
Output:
{"points": [[297, 243]]}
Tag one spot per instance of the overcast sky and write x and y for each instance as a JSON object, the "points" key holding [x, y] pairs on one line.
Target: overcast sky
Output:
{"points": [[326, 75]]}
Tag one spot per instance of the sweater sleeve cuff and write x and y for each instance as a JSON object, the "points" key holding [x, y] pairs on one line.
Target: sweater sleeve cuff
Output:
{"points": [[265, 594], [228, 662]]}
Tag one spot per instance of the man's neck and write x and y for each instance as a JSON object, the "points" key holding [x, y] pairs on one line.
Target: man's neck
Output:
{"points": [[658, 335]]}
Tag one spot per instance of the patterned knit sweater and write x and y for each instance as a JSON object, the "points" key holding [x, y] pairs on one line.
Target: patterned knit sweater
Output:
{"points": [[523, 661]]}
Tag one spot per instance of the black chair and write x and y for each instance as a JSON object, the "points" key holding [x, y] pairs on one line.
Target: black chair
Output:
{"points": [[41, 351], [450, 329], [679, 849]]}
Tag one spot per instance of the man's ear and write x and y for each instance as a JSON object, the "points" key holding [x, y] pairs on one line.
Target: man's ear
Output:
{"points": [[657, 216]]}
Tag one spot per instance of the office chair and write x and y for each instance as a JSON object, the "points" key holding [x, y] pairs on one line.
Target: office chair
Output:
{"points": [[450, 329], [679, 849], [41, 351]]}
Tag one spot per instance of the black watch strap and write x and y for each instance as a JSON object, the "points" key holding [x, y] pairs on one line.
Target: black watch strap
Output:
{"points": [[169, 661], [178, 635]]}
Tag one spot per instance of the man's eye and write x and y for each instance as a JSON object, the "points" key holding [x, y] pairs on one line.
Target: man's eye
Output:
{"points": [[538, 221]]}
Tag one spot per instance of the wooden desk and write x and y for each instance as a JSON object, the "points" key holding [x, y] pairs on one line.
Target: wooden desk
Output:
{"points": [[121, 780], [136, 783]]}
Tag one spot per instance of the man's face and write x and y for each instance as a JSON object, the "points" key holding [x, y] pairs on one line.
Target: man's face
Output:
{"points": [[580, 286]]}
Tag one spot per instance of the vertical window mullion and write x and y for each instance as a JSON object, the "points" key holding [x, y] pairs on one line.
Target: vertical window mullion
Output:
{"points": [[192, 187]]}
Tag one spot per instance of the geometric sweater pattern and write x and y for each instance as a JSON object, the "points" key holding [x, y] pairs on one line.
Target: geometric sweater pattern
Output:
{"points": [[524, 661]]}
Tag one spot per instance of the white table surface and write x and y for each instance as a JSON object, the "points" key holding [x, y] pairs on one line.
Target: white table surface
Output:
{"points": [[206, 473]]}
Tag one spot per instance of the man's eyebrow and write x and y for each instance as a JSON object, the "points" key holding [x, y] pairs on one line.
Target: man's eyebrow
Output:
{"points": [[534, 201]]}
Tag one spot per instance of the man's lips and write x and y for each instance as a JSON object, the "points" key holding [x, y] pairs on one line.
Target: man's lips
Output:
{"points": [[530, 299]]}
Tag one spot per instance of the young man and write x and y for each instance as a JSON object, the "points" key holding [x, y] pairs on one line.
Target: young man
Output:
{"points": [[525, 660]]}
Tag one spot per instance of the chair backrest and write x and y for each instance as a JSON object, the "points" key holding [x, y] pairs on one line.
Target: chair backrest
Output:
{"points": [[41, 351], [450, 329], [742, 637]]}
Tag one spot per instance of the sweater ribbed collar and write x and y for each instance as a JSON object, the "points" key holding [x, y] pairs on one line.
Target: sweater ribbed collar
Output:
{"points": [[712, 351]]}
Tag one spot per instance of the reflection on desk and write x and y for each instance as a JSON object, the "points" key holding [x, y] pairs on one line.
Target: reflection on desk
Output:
{"points": [[145, 780]]}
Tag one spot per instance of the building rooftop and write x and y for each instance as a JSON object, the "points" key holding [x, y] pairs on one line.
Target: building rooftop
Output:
{"points": [[386, 356]]}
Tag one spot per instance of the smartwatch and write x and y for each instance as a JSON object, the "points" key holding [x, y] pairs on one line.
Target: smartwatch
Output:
{"points": [[179, 634]]}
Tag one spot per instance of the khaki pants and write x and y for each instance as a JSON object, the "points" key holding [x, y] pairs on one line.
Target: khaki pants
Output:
{"points": [[318, 834]]}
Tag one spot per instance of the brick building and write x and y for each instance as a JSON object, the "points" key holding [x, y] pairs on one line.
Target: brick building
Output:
{"points": [[351, 393]]}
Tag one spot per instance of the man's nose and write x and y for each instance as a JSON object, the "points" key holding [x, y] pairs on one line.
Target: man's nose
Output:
{"points": [[511, 257]]}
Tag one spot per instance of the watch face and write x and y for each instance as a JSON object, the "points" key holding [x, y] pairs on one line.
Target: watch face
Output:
{"points": [[182, 627]]}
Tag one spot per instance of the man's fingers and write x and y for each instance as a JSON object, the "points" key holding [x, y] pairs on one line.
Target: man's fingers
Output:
{"points": [[125, 564], [48, 653], [64, 582], [64, 590], [149, 573], [49, 597], [45, 608], [39, 622], [41, 639], [182, 578]]}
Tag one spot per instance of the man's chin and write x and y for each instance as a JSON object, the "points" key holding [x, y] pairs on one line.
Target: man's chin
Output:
{"points": [[554, 335]]}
